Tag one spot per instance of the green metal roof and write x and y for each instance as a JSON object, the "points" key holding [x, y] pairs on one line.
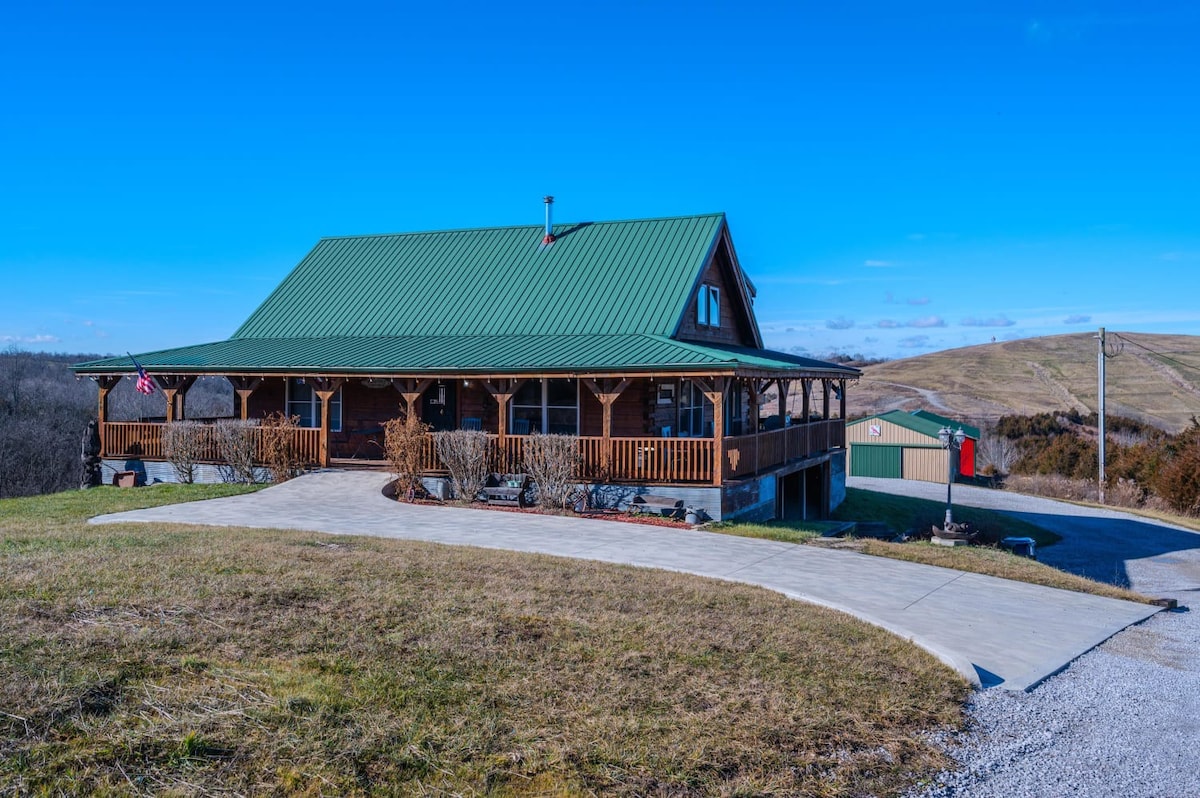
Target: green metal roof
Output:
{"points": [[921, 421], [597, 278], [445, 354]]}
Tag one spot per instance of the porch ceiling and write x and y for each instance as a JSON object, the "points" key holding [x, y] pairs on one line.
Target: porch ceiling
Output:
{"points": [[469, 354]]}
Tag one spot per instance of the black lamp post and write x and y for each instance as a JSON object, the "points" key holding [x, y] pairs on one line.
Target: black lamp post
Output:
{"points": [[951, 442]]}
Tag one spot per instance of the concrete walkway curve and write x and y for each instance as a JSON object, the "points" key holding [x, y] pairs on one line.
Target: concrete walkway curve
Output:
{"points": [[993, 631]]}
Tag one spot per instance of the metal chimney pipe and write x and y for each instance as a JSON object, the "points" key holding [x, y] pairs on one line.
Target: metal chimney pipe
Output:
{"points": [[549, 237]]}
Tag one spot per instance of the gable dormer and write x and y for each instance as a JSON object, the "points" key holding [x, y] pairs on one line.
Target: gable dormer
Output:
{"points": [[720, 307]]}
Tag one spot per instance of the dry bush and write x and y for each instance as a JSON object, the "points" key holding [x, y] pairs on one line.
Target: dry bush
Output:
{"points": [[279, 446], [405, 442], [552, 461], [1125, 493], [235, 444], [1054, 486], [183, 445], [465, 454]]}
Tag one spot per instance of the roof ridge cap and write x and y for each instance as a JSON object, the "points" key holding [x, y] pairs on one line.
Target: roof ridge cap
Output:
{"points": [[538, 227]]}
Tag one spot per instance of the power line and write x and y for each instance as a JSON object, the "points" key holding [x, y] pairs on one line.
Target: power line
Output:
{"points": [[1164, 356]]}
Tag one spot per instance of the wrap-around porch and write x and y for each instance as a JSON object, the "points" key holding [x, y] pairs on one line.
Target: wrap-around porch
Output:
{"points": [[669, 428]]}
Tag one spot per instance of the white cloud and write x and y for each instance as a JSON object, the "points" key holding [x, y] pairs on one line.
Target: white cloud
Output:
{"points": [[992, 321], [927, 321], [840, 323], [30, 339], [1076, 318], [914, 341], [878, 264], [887, 324]]}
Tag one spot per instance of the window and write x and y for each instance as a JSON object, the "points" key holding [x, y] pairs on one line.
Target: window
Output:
{"points": [[303, 402], [546, 406], [708, 306], [691, 409]]}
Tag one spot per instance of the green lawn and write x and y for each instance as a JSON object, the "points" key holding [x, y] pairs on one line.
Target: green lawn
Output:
{"points": [[156, 659]]}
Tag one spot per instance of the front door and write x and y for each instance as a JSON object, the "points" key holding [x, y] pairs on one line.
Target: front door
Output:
{"points": [[439, 406]]}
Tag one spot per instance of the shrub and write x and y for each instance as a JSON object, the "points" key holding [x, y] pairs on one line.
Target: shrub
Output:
{"points": [[464, 453], [552, 462], [405, 441], [235, 445], [1178, 478], [183, 444], [279, 446]]}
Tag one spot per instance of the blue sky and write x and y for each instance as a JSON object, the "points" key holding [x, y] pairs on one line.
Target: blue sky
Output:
{"points": [[898, 179]]}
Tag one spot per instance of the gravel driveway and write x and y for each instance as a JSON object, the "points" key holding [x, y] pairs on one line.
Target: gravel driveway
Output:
{"points": [[1122, 720]]}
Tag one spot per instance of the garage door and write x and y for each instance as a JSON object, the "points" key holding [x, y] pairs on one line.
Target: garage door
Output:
{"points": [[875, 461]]}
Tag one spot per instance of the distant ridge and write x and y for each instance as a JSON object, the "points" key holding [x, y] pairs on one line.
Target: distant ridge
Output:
{"points": [[1155, 379]]}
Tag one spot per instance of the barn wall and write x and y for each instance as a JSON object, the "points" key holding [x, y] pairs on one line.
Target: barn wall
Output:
{"points": [[928, 465]]}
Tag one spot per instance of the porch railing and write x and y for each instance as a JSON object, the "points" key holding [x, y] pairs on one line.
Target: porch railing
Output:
{"points": [[642, 459], [136, 439]]}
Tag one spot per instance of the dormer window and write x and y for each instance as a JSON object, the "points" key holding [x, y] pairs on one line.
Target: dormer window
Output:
{"points": [[708, 306]]}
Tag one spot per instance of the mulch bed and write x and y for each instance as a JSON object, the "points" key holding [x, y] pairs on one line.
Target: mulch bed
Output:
{"points": [[599, 515]]}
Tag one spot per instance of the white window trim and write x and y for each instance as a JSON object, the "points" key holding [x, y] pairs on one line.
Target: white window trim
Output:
{"points": [[545, 407], [708, 300], [335, 404]]}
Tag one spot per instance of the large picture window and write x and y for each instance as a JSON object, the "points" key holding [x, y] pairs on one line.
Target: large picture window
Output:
{"points": [[546, 406], [304, 403], [708, 306]]}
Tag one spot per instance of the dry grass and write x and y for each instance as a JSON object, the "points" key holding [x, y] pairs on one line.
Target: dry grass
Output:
{"points": [[903, 513], [140, 659], [1035, 375], [995, 562]]}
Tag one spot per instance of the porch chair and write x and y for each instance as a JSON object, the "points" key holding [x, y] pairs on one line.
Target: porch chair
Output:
{"points": [[472, 424]]}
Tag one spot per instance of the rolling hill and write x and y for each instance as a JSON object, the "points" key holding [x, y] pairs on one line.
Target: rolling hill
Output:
{"points": [[1153, 378]]}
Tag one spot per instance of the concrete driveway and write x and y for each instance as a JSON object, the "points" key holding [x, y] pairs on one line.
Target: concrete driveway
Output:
{"points": [[993, 631], [1149, 556]]}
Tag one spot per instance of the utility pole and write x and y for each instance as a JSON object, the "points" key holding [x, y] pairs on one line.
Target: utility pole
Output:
{"points": [[1100, 411]]}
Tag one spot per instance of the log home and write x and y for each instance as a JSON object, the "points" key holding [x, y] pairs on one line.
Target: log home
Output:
{"points": [[637, 336]]}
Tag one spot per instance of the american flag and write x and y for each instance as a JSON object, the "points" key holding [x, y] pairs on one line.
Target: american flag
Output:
{"points": [[144, 383]]}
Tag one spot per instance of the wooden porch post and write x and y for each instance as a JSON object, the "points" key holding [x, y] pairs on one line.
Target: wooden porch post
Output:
{"points": [[105, 384], [825, 398], [242, 388], [410, 391], [325, 388], [784, 387], [174, 388], [502, 391], [842, 398], [806, 389], [715, 393], [607, 392], [756, 389]]}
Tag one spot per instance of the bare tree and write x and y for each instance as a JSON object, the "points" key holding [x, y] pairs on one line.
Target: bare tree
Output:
{"points": [[552, 461], [998, 452], [235, 445], [183, 445], [405, 441], [279, 446], [464, 453]]}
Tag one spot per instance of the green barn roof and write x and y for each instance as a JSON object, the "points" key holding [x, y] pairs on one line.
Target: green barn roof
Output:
{"points": [[921, 421]]}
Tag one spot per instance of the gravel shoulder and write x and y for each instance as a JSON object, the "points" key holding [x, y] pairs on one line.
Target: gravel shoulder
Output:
{"points": [[1122, 720]]}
